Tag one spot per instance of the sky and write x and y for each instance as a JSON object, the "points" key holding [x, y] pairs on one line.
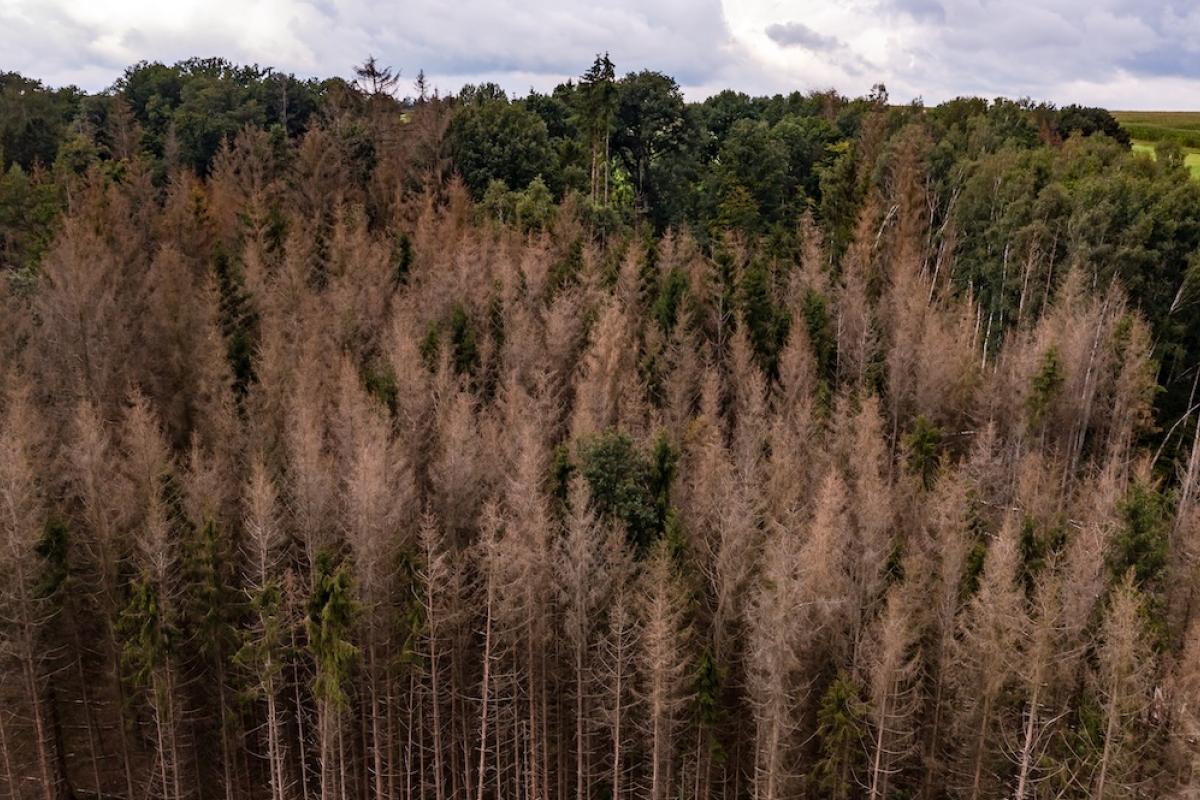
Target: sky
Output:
{"points": [[1122, 54]]}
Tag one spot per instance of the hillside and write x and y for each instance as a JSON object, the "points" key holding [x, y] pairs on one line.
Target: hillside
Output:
{"points": [[591, 444]]}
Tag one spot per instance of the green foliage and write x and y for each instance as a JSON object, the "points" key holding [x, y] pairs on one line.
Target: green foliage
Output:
{"points": [[738, 211], [54, 550], [1141, 542], [1088, 121], [410, 621], [766, 321], [670, 297], [147, 635], [33, 120], [664, 465], [534, 207], [675, 537], [430, 347], [655, 139], [330, 621], [923, 444], [30, 209], [239, 322], [213, 605], [708, 684], [402, 258], [840, 196], [841, 729], [495, 139], [821, 335], [201, 102], [753, 167], [458, 331], [1045, 387], [498, 202], [1034, 547], [465, 351], [976, 558], [628, 487], [562, 470], [810, 145], [566, 269], [379, 379]]}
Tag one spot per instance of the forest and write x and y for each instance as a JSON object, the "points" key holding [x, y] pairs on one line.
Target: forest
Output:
{"points": [[364, 442]]}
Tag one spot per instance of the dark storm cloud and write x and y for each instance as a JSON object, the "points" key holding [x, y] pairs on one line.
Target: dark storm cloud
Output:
{"points": [[797, 34]]}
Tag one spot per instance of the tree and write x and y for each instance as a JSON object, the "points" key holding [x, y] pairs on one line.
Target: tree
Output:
{"points": [[153, 615], [331, 617], [100, 492], [894, 670], [377, 495], [263, 649], [375, 79], [841, 728], [621, 485], [779, 616], [1121, 690], [654, 136], [579, 564], [989, 630], [33, 120], [23, 609], [753, 161], [598, 96], [663, 665], [498, 140], [1089, 121]]}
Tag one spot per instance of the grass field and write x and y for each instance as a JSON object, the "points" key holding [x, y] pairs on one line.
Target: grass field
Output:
{"points": [[1146, 128], [1191, 156], [1182, 127]]}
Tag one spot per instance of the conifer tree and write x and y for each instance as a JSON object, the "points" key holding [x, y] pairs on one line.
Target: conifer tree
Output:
{"points": [[663, 664], [1120, 684], [263, 649], [24, 611], [894, 700], [990, 626], [152, 617]]}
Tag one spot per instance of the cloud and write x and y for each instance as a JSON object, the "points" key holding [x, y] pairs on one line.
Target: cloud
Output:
{"points": [[1111, 52], [797, 34], [536, 42]]}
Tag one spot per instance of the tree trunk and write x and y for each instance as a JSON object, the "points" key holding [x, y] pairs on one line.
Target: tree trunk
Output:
{"points": [[376, 750], [980, 744], [6, 758], [47, 771], [483, 691], [227, 756], [1026, 763], [301, 738]]}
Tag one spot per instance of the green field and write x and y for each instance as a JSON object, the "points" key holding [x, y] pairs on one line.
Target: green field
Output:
{"points": [[1147, 128], [1182, 127], [1191, 155]]}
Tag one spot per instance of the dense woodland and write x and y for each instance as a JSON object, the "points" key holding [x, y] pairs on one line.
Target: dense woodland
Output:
{"points": [[595, 444]]}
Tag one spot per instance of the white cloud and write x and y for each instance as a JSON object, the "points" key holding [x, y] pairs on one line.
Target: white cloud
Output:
{"points": [[1110, 52]]}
